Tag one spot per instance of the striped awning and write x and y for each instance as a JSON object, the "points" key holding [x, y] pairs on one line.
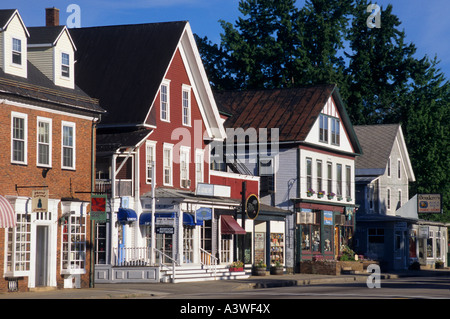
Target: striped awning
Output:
{"points": [[7, 214]]}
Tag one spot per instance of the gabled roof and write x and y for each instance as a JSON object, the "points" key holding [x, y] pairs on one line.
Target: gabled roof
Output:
{"points": [[377, 142], [6, 15], [293, 111], [47, 36], [124, 65]]}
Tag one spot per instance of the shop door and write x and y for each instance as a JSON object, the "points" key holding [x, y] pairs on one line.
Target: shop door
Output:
{"points": [[400, 251], [336, 242], [42, 256], [164, 243]]}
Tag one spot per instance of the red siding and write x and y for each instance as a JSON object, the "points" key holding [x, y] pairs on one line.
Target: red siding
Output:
{"points": [[252, 187], [182, 135]]}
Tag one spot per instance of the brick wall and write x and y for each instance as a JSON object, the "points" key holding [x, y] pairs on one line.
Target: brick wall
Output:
{"points": [[61, 183]]}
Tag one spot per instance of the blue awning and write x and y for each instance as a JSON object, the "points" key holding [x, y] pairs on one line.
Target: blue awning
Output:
{"points": [[126, 215], [146, 218], [189, 220]]}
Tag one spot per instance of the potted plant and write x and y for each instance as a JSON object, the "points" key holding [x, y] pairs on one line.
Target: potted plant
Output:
{"points": [[439, 264], [320, 194], [310, 192], [276, 269], [331, 195], [236, 266], [259, 268]]}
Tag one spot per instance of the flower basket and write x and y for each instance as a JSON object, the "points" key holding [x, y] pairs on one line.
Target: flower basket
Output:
{"points": [[331, 195], [310, 192], [276, 270], [320, 194], [236, 266]]}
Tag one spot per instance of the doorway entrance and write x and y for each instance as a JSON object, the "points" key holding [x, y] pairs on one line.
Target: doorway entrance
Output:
{"points": [[42, 250]]}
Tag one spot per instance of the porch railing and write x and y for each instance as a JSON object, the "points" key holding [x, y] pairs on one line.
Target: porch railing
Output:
{"points": [[208, 260]]}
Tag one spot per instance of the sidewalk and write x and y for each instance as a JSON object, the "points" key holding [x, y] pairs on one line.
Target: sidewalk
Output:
{"points": [[160, 290]]}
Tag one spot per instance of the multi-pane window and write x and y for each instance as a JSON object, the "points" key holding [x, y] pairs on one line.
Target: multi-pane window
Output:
{"points": [[74, 243], [323, 128], [335, 131], [339, 179], [198, 166], [184, 167], [65, 65], [100, 244], [308, 174], [188, 244], [329, 178], [68, 145], [19, 245], [17, 51], [348, 181], [19, 138], [186, 105], [44, 142], [165, 102], [167, 163], [319, 176], [150, 160]]}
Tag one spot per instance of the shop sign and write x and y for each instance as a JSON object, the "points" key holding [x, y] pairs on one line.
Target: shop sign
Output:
{"points": [[39, 200], [328, 218], [429, 203], [423, 232], [98, 208], [164, 230], [164, 221]]}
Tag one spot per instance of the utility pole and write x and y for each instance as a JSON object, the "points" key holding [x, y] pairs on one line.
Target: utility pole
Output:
{"points": [[243, 212]]}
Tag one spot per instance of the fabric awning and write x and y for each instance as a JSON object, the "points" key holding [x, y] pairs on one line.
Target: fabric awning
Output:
{"points": [[126, 215], [189, 220], [7, 214], [230, 226]]}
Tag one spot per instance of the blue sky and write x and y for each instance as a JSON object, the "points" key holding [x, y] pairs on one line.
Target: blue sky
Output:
{"points": [[426, 22]]}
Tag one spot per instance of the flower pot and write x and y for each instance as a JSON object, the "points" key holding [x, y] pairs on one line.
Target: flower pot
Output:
{"points": [[276, 270], [259, 271], [235, 269]]}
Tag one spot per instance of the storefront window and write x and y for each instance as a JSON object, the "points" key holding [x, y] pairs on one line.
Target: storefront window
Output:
{"points": [[327, 238], [430, 245], [225, 249], [316, 237], [306, 238], [276, 248], [188, 244], [74, 243], [20, 248], [100, 253]]}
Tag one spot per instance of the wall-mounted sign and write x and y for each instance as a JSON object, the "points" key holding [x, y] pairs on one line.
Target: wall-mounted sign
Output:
{"points": [[165, 230], [252, 206], [39, 201], [429, 203], [328, 218]]}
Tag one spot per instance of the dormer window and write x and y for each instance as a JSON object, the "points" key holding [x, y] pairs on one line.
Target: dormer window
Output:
{"points": [[65, 65], [17, 51]]}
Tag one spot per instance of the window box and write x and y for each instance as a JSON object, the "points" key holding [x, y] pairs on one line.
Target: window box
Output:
{"points": [[331, 195]]}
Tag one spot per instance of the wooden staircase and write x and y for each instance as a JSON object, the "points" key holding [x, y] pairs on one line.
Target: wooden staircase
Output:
{"points": [[187, 273]]}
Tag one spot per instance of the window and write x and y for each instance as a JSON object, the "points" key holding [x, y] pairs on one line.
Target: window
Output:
{"points": [[44, 142], [267, 175], [430, 248], [323, 128], [65, 65], [388, 198], [74, 243], [330, 178], [68, 145], [167, 161], [17, 51], [184, 167], [19, 138], [165, 105], [188, 244], [186, 105], [150, 159], [348, 181], [100, 244], [389, 167], [399, 169], [308, 174], [339, 179], [19, 246], [335, 131], [399, 203], [198, 166], [319, 176]]}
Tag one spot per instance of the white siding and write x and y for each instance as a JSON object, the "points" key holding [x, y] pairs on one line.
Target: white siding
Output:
{"points": [[63, 46], [330, 110], [14, 30]]}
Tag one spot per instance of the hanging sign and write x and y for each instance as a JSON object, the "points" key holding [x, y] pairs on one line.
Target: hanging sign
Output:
{"points": [[39, 201], [252, 206], [98, 207], [429, 203]]}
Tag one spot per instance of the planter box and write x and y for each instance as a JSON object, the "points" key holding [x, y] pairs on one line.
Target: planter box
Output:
{"points": [[259, 271], [333, 267], [236, 269], [276, 270]]}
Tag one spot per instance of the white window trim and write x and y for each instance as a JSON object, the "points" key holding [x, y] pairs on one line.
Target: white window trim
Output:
{"points": [[50, 142], [73, 125], [168, 146], [69, 270], [199, 152], [25, 150], [152, 144], [388, 199], [22, 55], [165, 82], [399, 168], [184, 150], [188, 89], [389, 168], [62, 77], [337, 131]]}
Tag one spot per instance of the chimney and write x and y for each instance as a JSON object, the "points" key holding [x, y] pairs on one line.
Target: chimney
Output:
{"points": [[51, 17]]}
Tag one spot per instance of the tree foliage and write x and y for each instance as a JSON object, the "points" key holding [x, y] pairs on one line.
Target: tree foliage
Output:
{"points": [[277, 44]]}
